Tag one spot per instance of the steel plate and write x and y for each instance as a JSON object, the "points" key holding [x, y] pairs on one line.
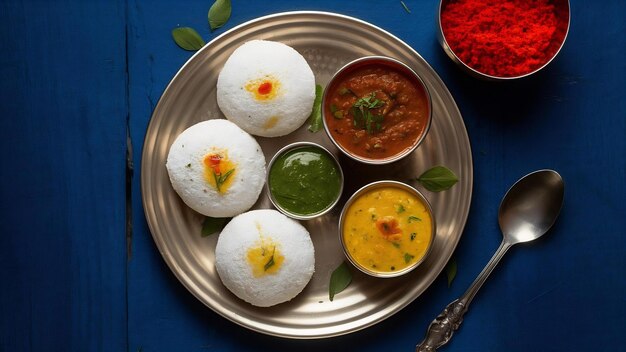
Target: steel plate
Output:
{"points": [[327, 41]]}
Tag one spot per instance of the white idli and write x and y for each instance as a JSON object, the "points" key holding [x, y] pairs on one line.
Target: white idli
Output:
{"points": [[216, 168], [266, 88], [264, 257]]}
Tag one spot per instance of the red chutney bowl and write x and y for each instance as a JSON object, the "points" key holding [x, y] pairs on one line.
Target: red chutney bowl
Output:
{"points": [[501, 40], [376, 110]]}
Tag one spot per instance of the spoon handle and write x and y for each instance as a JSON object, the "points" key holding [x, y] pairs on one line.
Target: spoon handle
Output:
{"points": [[441, 329]]}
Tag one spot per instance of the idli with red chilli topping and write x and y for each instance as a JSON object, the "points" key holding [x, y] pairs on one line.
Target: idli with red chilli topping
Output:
{"points": [[267, 88], [264, 257], [216, 168]]}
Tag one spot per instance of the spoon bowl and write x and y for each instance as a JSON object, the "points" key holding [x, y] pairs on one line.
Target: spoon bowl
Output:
{"points": [[531, 206], [527, 211]]}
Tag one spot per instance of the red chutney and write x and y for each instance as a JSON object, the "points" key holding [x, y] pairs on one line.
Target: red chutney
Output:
{"points": [[375, 111], [505, 38]]}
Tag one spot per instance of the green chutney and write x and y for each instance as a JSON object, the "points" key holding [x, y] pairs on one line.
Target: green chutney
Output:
{"points": [[305, 180]]}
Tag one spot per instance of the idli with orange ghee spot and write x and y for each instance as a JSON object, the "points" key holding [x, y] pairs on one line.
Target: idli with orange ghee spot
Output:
{"points": [[267, 88], [216, 168], [264, 257]]}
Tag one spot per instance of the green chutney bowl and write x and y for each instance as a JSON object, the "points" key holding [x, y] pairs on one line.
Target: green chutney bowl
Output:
{"points": [[314, 183]]}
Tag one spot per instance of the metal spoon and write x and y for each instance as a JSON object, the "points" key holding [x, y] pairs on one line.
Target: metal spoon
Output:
{"points": [[528, 210]]}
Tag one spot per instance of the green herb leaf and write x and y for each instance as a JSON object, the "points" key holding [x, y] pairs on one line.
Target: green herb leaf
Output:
{"points": [[406, 8], [217, 181], [408, 257], [414, 218], [270, 263], [187, 38], [344, 91], [438, 178], [315, 120], [339, 280], [213, 225], [220, 179], [369, 101], [363, 117], [359, 120], [219, 13], [338, 114], [399, 208], [225, 176], [451, 271], [395, 244]]}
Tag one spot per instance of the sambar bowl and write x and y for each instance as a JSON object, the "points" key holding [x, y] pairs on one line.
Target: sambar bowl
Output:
{"points": [[387, 229]]}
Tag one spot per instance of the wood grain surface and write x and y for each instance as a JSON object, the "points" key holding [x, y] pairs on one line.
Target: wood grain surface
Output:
{"points": [[76, 77], [63, 79]]}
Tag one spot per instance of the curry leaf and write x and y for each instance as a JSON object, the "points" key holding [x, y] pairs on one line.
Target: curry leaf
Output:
{"points": [[406, 8], [187, 38], [339, 280], [414, 218], [315, 119], [270, 263], [451, 271], [213, 225], [219, 13], [438, 178]]}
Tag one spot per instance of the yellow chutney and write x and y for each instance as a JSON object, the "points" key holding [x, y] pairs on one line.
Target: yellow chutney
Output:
{"points": [[387, 229]]}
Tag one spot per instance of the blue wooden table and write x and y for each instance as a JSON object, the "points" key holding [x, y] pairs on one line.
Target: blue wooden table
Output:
{"points": [[79, 270]]}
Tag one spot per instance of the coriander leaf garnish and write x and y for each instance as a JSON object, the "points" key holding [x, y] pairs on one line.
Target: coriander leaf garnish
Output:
{"points": [[220, 179], [399, 208], [369, 101], [187, 38], [270, 263], [363, 117], [413, 218], [339, 280], [213, 225], [408, 257], [219, 13], [438, 178], [315, 119]]}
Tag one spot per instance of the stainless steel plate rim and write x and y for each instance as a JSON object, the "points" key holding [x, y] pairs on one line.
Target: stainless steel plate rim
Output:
{"points": [[164, 211]]}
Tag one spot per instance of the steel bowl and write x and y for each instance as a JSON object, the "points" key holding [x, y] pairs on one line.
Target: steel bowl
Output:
{"points": [[393, 64], [290, 214], [563, 6], [382, 184]]}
